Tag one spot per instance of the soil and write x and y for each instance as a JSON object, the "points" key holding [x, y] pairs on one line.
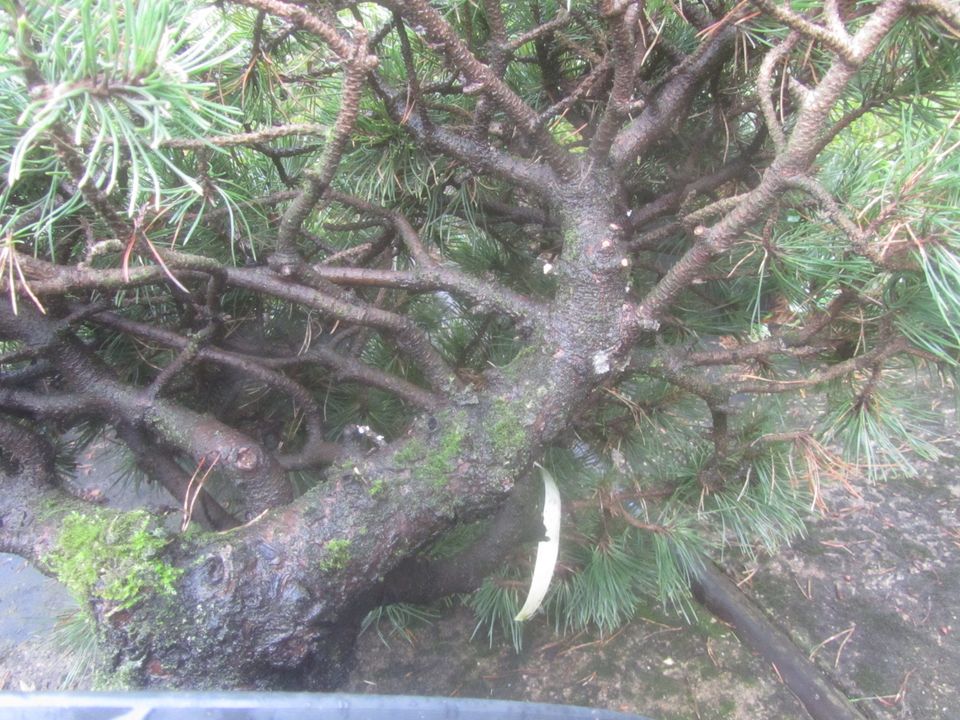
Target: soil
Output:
{"points": [[872, 594]]}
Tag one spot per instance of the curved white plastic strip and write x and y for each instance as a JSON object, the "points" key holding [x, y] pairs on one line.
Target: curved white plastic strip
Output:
{"points": [[547, 550]]}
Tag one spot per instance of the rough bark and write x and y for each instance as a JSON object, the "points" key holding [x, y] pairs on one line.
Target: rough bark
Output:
{"points": [[278, 600]]}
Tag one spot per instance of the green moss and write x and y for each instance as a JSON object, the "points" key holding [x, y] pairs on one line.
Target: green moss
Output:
{"points": [[377, 487], [411, 452], [440, 463], [113, 556], [507, 431], [437, 461], [125, 677], [513, 369], [337, 555], [726, 708]]}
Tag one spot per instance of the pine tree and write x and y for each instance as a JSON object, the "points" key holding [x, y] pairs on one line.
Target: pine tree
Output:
{"points": [[338, 276]]}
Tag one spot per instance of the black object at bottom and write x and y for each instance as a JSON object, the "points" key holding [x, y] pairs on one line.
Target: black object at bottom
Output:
{"points": [[279, 706]]}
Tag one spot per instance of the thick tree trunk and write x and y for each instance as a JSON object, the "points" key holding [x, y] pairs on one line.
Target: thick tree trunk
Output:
{"points": [[277, 602]]}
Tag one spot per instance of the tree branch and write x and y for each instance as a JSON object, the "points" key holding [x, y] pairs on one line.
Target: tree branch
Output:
{"points": [[765, 87], [255, 137], [481, 78], [406, 334], [261, 479], [32, 508], [622, 22], [662, 111], [356, 67], [562, 19], [60, 280], [432, 275], [315, 451], [794, 160], [480, 157], [306, 20], [841, 44], [885, 348], [157, 464]]}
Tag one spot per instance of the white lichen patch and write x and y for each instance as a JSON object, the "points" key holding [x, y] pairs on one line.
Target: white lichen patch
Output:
{"points": [[601, 362]]}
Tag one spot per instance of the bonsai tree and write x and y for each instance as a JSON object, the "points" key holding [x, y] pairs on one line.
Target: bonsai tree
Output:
{"points": [[337, 275]]}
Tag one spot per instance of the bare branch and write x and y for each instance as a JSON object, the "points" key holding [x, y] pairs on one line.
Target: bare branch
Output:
{"points": [[480, 157], [190, 349], [156, 463], [675, 199], [261, 479], [562, 19], [883, 350], [355, 70], [316, 450], [481, 78], [406, 334], [432, 275], [663, 110], [794, 160], [305, 19], [256, 365], [583, 88], [765, 87], [498, 60], [623, 25], [834, 19], [859, 239], [59, 280], [841, 44], [948, 12], [248, 138], [782, 343]]}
